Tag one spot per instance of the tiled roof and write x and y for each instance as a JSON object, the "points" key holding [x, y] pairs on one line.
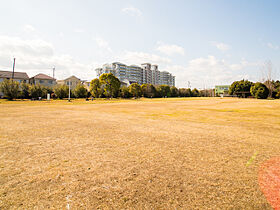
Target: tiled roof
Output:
{"points": [[72, 77], [43, 76], [17, 75]]}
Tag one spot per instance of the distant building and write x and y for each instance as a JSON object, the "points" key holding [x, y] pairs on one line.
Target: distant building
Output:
{"points": [[222, 90], [18, 76], [72, 81], [43, 79], [146, 74]]}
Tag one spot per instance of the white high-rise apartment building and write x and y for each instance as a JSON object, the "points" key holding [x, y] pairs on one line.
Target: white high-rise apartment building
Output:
{"points": [[146, 74]]}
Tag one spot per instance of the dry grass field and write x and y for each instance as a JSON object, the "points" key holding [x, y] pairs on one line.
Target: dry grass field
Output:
{"points": [[136, 154]]}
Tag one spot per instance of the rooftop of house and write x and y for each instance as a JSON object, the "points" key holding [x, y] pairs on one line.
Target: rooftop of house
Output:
{"points": [[43, 76], [17, 75]]}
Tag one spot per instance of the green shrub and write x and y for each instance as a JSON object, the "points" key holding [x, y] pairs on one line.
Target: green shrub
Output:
{"points": [[24, 90], [95, 88], [47, 90], [185, 92], [174, 92], [110, 84], [61, 91], [124, 92], [195, 93], [259, 91], [148, 90], [80, 91], [135, 90], [36, 91], [278, 94], [240, 86], [10, 89], [163, 91]]}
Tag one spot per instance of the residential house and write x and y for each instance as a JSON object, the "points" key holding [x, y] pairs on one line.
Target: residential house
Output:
{"points": [[43, 79], [72, 81], [18, 76]]}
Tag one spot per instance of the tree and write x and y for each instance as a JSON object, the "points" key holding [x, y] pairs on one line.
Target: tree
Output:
{"points": [[195, 93], [95, 88], [278, 94], [274, 85], [61, 91], [46, 90], [268, 73], [240, 87], [163, 91], [110, 84], [124, 92], [24, 88], [174, 92], [148, 90], [259, 91], [10, 89], [185, 92], [35, 91], [80, 91], [135, 90]]}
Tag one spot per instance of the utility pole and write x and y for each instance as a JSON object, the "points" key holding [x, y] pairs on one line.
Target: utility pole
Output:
{"points": [[53, 71], [14, 64]]}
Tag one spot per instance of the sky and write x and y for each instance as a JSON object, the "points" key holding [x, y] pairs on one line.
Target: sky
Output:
{"points": [[203, 42]]}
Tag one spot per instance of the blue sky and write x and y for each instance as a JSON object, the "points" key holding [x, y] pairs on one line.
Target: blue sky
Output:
{"points": [[204, 42]]}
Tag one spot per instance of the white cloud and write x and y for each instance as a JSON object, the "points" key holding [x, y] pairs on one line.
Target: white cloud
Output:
{"points": [[28, 28], [170, 49], [102, 43], [79, 30], [209, 71], [11, 45], [132, 11], [39, 56], [61, 34], [221, 46], [272, 46], [138, 58]]}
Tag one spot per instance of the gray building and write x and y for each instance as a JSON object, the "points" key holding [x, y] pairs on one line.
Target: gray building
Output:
{"points": [[43, 79], [18, 76], [146, 74]]}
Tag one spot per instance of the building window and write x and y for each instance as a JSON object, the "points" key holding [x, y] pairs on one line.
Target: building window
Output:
{"points": [[41, 81], [50, 81]]}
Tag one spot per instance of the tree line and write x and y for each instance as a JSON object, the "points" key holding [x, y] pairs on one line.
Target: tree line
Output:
{"points": [[268, 89], [15, 90], [110, 87], [107, 86]]}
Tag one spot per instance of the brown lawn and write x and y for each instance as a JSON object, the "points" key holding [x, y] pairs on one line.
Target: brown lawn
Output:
{"points": [[143, 154]]}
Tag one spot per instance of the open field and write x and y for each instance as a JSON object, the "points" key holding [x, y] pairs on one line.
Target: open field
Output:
{"points": [[148, 153]]}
